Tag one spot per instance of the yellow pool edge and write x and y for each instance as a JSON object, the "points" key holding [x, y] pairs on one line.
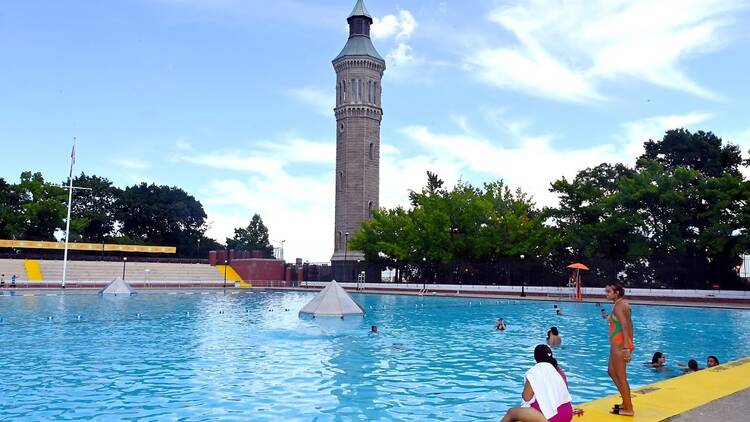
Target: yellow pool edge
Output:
{"points": [[672, 397]]}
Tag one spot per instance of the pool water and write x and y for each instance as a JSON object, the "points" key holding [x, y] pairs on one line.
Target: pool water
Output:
{"points": [[248, 356]]}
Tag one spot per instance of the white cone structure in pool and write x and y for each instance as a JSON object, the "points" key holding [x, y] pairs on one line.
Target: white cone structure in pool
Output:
{"points": [[118, 287], [332, 301]]}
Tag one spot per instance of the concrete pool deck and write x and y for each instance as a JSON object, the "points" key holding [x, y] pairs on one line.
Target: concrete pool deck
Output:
{"points": [[719, 393]]}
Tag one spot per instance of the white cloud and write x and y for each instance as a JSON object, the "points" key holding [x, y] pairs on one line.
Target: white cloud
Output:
{"points": [[400, 28], [265, 180], [321, 100], [533, 162], [567, 49], [131, 164], [183, 145], [637, 132]]}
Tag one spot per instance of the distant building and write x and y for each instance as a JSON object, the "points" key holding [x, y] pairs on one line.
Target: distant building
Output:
{"points": [[359, 70]]}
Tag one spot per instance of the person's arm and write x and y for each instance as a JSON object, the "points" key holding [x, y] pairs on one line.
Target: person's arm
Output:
{"points": [[528, 392], [624, 318]]}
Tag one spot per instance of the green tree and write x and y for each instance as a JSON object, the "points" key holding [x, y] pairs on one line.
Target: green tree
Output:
{"points": [[94, 211], [161, 215], [11, 212], [43, 207], [254, 237], [701, 151]]}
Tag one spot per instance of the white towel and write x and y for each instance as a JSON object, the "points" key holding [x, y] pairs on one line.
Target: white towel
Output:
{"points": [[549, 388]]}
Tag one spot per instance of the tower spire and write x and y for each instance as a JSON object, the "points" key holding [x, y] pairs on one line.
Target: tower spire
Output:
{"points": [[360, 10]]}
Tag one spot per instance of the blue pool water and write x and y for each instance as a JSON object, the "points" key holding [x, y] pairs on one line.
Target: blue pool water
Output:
{"points": [[246, 357]]}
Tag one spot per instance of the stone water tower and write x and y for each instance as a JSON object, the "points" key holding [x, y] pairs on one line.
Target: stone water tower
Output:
{"points": [[359, 70]]}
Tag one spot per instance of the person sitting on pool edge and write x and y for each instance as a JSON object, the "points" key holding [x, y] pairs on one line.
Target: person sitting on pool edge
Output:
{"points": [[553, 337], [712, 361], [500, 324], [545, 392]]}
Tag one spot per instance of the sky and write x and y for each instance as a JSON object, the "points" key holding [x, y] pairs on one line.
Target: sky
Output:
{"points": [[232, 100]]}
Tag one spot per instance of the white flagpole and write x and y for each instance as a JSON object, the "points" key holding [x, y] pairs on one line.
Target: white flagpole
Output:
{"points": [[70, 203]]}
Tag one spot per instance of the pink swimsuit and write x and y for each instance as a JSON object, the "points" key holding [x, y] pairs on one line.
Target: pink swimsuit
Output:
{"points": [[564, 412]]}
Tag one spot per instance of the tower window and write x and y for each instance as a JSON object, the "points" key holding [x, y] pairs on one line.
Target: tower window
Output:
{"points": [[343, 91], [339, 240], [369, 209], [340, 181], [372, 151]]}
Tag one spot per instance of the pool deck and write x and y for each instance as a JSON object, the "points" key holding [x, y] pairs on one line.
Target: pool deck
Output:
{"points": [[721, 393]]}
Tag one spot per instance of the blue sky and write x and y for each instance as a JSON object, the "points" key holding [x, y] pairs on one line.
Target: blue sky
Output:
{"points": [[232, 99]]}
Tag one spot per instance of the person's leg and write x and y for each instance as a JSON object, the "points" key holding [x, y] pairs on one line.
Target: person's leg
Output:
{"points": [[619, 367], [525, 414]]}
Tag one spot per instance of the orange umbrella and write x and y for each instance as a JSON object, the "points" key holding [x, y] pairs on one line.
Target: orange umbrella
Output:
{"points": [[578, 266]]}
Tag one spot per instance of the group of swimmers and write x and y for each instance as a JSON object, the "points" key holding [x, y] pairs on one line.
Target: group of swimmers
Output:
{"points": [[659, 362]]}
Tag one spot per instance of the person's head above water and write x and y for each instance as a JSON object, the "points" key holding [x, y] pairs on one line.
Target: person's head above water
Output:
{"points": [[554, 331], [614, 291], [712, 361], [542, 353], [693, 365], [658, 359], [374, 329]]}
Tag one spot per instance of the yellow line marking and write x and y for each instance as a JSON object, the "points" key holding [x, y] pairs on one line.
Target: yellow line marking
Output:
{"points": [[674, 396]]}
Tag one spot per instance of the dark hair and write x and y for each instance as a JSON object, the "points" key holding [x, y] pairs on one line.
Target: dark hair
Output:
{"points": [[619, 289], [692, 364], [542, 353], [554, 331], [714, 358], [656, 357]]}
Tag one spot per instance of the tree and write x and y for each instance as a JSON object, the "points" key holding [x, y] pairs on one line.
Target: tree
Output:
{"points": [[42, 205], [254, 237], [11, 212], [161, 215], [701, 151], [93, 211]]}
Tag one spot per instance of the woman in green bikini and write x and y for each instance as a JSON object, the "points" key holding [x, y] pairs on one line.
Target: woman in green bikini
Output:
{"points": [[621, 347]]}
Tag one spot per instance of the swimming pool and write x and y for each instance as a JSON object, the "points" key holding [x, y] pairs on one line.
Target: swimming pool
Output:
{"points": [[248, 356]]}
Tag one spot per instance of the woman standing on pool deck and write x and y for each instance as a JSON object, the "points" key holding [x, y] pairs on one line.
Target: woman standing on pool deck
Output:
{"points": [[621, 347]]}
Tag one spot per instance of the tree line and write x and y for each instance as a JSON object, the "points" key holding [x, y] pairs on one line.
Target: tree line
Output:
{"points": [[678, 218], [142, 214]]}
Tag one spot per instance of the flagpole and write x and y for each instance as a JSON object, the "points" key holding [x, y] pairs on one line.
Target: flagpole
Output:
{"points": [[70, 203]]}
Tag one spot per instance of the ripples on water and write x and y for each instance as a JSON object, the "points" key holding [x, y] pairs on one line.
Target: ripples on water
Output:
{"points": [[245, 356]]}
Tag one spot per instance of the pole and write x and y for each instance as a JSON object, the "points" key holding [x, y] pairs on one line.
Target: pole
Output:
{"points": [[124, 261], [346, 249], [70, 203], [225, 273]]}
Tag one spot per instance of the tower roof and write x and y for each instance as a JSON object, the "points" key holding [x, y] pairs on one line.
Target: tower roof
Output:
{"points": [[360, 10], [359, 43], [359, 46]]}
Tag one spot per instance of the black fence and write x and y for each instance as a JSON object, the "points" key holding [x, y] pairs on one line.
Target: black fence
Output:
{"points": [[689, 274]]}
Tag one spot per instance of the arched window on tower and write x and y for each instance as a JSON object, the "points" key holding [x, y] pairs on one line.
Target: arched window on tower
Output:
{"points": [[369, 209], [339, 241], [353, 86], [371, 152], [375, 93], [340, 181], [343, 91], [370, 92]]}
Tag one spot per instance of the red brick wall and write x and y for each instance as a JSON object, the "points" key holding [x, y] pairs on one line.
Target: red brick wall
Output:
{"points": [[259, 269]]}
